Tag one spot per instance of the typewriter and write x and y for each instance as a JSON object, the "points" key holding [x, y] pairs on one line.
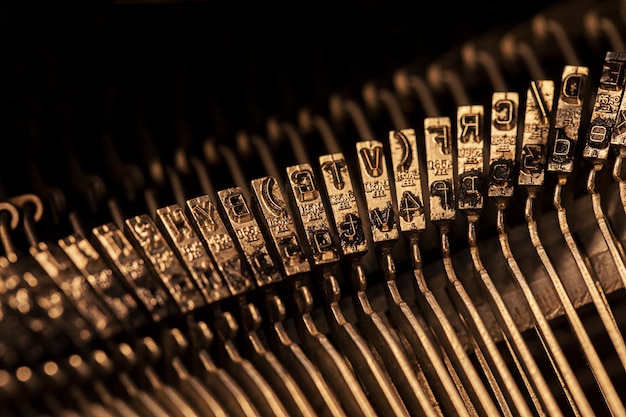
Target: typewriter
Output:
{"points": [[276, 209]]}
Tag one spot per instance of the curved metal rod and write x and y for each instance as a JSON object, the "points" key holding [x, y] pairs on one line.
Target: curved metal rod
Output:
{"points": [[235, 168], [502, 381], [452, 396], [388, 347], [611, 240], [9, 219], [180, 380], [308, 121], [288, 390], [374, 96], [542, 26], [405, 83], [291, 354], [511, 48], [264, 152], [437, 76], [569, 381], [593, 359], [448, 337], [594, 25], [524, 359], [323, 353], [592, 283], [618, 174], [340, 106], [248, 377], [472, 56], [384, 395], [216, 379], [170, 399], [296, 142], [327, 358]]}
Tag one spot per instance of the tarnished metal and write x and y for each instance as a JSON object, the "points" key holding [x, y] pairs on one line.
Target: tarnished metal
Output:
{"points": [[116, 247], [209, 225], [249, 236], [217, 379], [537, 120], [470, 157], [42, 314], [377, 190], [342, 201], [105, 282], [328, 358], [379, 203], [407, 180], [605, 108], [242, 370], [46, 295], [275, 373], [470, 181], [501, 174], [443, 379], [384, 396], [178, 377], [567, 119], [280, 225], [504, 125], [440, 178], [76, 287], [349, 339], [315, 380], [440, 168], [312, 214], [186, 243], [149, 241], [567, 126]]}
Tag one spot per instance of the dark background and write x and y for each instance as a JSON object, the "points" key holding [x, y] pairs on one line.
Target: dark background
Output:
{"points": [[72, 71], [248, 59]]}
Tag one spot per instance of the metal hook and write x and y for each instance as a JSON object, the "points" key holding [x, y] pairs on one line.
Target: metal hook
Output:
{"points": [[512, 48], [174, 347], [32, 209], [125, 360], [65, 275], [437, 77], [442, 214], [248, 377], [469, 180], [340, 107], [375, 96], [312, 378], [81, 375], [472, 57], [500, 190], [405, 84], [307, 122], [543, 26], [286, 387], [9, 219], [597, 26]]}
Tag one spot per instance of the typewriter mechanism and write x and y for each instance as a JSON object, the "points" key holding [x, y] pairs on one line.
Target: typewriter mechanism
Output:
{"points": [[209, 209]]}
